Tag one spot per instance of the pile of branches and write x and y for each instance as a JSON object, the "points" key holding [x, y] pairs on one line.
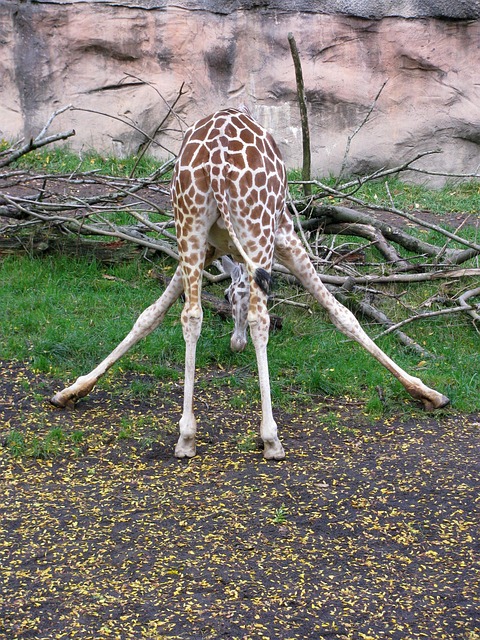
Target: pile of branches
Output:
{"points": [[45, 211]]}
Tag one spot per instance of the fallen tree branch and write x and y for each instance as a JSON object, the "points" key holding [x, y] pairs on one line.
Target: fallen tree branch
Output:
{"points": [[427, 314], [35, 144], [371, 312], [377, 239], [472, 293], [396, 277], [337, 213], [403, 214]]}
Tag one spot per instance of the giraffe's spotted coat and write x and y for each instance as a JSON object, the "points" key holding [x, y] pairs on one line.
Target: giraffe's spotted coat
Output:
{"points": [[228, 194]]}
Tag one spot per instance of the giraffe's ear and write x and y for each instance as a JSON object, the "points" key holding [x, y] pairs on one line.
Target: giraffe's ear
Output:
{"points": [[228, 265], [233, 269]]}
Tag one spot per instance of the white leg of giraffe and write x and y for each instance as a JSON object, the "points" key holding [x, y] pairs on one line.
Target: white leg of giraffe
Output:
{"points": [[192, 264], [145, 324], [192, 317], [259, 322], [290, 252]]}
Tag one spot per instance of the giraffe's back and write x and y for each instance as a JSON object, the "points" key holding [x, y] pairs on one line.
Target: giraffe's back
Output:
{"points": [[230, 167]]}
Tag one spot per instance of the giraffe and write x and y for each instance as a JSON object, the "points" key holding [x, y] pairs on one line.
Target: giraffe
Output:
{"points": [[229, 197]]}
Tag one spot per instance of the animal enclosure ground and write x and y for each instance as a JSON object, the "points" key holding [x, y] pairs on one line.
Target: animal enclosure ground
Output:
{"points": [[365, 530]]}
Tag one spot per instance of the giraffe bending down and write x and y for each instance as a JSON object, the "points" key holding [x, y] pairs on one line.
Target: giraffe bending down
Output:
{"points": [[228, 194]]}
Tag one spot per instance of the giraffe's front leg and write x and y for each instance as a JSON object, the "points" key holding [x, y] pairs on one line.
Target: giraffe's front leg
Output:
{"points": [[290, 252], [191, 324], [259, 321], [144, 325]]}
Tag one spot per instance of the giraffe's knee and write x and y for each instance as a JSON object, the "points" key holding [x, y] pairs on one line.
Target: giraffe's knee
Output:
{"points": [[192, 322]]}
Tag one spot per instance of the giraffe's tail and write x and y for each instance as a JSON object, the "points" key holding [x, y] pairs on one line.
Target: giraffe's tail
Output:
{"points": [[260, 275], [263, 279]]}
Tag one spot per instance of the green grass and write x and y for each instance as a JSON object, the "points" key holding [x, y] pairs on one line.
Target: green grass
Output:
{"points": [[62, 160], [62, 317], [42, 447], [453, 197], [462, 197]]}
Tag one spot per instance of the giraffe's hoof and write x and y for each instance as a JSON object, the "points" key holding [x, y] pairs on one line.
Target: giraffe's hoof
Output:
{"points": [[437, 403], [60, 400], [185, 448], [273, 450]]}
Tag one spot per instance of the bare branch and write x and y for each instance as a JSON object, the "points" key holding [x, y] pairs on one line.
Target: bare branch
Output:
{"points": [[50, 120], [302, 103], [359, 127], [472, 293], [126, 122], [35, 144], [159, 127], [427, 314]]}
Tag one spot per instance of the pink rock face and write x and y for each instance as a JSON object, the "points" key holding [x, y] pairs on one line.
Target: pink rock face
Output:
{"points": [[119, 60]]}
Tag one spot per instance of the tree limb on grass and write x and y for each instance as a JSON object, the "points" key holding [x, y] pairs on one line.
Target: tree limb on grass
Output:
{"points": [[427, 314]]}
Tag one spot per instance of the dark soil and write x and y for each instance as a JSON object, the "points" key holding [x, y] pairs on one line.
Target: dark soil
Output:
{"points": [[367, 530]]}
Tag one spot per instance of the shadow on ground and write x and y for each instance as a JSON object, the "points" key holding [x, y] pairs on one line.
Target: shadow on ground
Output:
{"points": [[366, 530]]}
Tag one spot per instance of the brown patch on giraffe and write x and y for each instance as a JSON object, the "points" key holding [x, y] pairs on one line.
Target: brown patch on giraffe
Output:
{"points": [[185, 224], [182, 245], [254, 159], [238, 161], [203, 121], [236, 146], [256, 213], [212, 135], [248, 181], [216, 157], [219, 122], [266, 218], [271, 202], [178, 201], [259, 179], [241, 205], [200, 179], [201, 130], [269, 166], [256, 229], [200, 199], [188, 152], [194, 243], [253, 126], [247, 136], [240, 120], [259, 143], [232, 185], [184, 181]]}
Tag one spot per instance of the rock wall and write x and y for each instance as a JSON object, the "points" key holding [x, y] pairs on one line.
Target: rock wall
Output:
{"points": [[127, 58]]}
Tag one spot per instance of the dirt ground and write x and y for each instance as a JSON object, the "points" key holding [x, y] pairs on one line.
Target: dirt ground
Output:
{"points": [[365, 530]]}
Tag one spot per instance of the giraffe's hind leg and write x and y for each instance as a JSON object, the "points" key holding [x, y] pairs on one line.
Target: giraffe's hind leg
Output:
{"points": [[259, 322], [290, 252], [145, 324], [192, 264], [192, 317]]}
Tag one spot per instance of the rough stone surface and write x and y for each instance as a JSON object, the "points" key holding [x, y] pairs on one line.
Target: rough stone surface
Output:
{"points": [[117, 57]]}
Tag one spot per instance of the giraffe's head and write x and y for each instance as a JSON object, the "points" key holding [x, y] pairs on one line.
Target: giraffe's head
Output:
{"points": [[238, 295]]}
